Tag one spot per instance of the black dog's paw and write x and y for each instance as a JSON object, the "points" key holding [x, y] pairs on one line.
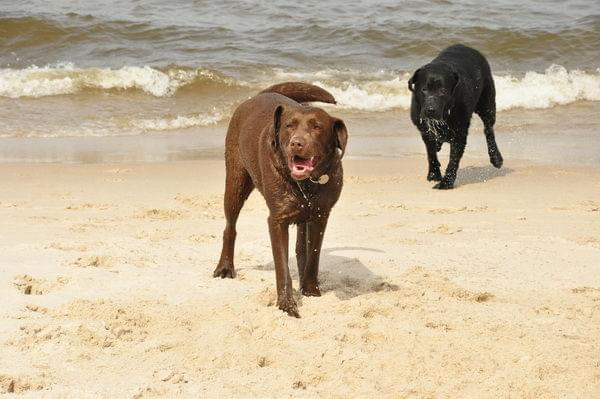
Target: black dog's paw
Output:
{"points": [[444, 185], [288, 305], [496, 159], [434, 176], [224, 271]]}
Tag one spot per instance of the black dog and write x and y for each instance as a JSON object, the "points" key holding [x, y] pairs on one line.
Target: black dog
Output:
{"points": [[446, 92]]}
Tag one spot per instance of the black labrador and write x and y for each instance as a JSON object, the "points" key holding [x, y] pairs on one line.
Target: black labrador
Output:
{"points": [[445, 93]]}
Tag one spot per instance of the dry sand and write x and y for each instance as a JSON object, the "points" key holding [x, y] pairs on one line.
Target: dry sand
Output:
{"points": [[488, 291]]}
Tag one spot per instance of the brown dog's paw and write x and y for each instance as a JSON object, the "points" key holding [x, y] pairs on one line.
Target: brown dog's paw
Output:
{"points": [[224, 271], [311, 289], [288, 305]]}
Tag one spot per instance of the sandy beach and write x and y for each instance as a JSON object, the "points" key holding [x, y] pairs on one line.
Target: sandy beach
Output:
{"points": [[113, 118], [491, 290]]}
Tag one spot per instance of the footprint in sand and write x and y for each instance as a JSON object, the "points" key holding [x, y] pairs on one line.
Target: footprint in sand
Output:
{"points": [[589, 292], [160, 214], [211, 206], [397, 205], [590, 241], [591, 206], [419, 281], [201, 238], [32, 286], [154, 235], [99, 261], [108, 262], [92, 225], [169, 375], [88, 205], [447, 211], [22, 383], [444, 229], [66, 247]]}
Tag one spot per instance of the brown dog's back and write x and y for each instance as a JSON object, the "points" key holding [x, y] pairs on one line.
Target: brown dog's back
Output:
{"points": [[292, 154], [301, 92]]}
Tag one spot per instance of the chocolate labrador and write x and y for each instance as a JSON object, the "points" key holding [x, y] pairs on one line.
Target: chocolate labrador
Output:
{"points": [[292, 154], [445, 93]]}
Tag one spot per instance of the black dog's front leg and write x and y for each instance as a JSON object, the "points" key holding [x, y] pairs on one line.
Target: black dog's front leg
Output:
{"points": [[457, 148], [434, 173]]}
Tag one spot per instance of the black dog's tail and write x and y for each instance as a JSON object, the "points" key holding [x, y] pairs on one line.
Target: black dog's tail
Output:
{"points": [[301, 92]]}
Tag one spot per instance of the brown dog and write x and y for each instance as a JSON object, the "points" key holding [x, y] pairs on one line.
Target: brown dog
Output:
{"points": [[292, 154]]}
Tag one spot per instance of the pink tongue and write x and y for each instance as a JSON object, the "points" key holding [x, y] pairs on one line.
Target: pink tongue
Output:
{"points": [[301, 165]]}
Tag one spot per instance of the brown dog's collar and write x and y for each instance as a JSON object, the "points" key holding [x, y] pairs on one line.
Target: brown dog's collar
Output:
{"points": [[323, 179]]}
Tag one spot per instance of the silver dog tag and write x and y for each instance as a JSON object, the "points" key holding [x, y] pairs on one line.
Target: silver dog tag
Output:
{"points": [[323, 179]]}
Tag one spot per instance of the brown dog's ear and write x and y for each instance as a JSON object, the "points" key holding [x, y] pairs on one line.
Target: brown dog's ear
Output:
{"points": [[276, 124], [341, 134], [413, 80]]}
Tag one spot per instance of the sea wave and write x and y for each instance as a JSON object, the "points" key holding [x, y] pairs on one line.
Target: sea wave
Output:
{"points": [[181, 121], [67, 79], [534, 90], [556, 86], [358, 90]]}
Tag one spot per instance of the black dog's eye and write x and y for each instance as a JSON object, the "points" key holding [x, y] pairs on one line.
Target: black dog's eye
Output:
{"points": [[424, 90]]}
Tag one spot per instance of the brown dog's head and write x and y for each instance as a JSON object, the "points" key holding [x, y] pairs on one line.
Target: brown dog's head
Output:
{"points": [[309, 139]]}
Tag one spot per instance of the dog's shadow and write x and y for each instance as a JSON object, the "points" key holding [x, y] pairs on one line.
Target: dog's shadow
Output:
{"points": [[346, 276], [479, 174]]}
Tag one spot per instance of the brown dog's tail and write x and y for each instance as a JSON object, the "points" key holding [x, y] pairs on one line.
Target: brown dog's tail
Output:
{"points": [[301, 92]]}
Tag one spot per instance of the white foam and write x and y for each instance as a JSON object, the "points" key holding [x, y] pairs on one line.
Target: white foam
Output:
{"points": [[181, 121], [382, 92], [373, 91], [66, 79], [371, 96], [556, 86]]}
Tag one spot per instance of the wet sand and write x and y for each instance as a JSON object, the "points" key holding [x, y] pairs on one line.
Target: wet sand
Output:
{"points": [[490, 290], [560, 135]]}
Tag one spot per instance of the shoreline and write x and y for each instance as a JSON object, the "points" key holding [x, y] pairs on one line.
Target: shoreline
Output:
{"points": [[560, 135]]}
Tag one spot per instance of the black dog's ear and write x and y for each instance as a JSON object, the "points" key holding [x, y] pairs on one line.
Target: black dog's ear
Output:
{"points": [[456, 79], [276, 124], [341, 135], [413, 80]]}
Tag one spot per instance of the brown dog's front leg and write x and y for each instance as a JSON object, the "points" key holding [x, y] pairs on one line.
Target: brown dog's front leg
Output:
{"points": [[315, 232], [279, 244], [301, 251]]}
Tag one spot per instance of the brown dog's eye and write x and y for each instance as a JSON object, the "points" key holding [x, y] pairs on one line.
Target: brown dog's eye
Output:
{"points": [[289, 125]]}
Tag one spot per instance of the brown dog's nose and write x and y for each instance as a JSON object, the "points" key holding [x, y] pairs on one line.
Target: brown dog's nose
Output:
{"points": [[296, 143]]}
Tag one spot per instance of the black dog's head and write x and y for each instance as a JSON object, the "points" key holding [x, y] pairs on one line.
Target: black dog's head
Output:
{"points": [[434, 85]]}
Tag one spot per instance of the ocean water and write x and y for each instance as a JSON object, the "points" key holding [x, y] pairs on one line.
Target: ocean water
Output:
{"points": [[76, 70]]}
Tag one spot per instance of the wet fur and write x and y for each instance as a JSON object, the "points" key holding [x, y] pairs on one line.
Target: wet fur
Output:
{"points": [[473, 92], [255, 157]]}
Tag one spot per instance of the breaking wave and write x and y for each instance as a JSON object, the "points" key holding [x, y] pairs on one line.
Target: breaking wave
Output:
{"points": [[379, 91], [534, 90], [67, 79]]}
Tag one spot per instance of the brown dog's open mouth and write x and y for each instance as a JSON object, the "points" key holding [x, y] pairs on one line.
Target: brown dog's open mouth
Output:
{"points": [[301, 167]]}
